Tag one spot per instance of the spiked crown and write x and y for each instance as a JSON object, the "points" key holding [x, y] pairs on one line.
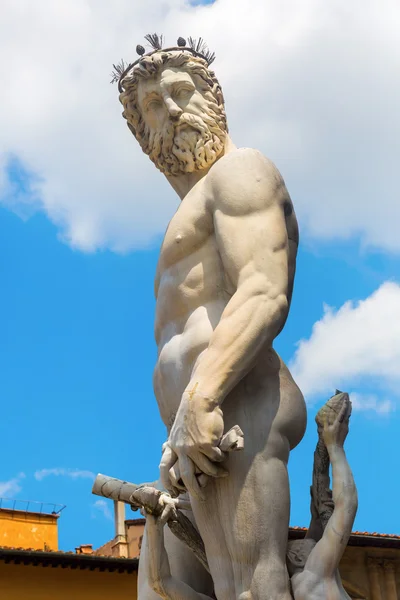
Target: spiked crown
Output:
{"points": [[193, 46]]}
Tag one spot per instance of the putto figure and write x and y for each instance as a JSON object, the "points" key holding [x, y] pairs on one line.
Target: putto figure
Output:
{"points": [[223, 285], [313, 562]]}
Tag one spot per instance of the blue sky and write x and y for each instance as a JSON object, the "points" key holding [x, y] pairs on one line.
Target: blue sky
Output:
{"points": [[77, 353], [82, 214]]}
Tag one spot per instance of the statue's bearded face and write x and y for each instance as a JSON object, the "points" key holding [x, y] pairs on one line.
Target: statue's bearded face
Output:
{"points": [[181, 130]]}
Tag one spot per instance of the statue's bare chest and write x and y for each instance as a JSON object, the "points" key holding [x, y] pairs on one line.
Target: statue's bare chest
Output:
{"points": [[187, 233]]}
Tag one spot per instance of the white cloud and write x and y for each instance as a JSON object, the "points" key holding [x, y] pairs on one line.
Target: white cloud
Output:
{"points": [[370, 402], [72, 473], [12, 487], [357, 345], [102, 506], [310, 83]]}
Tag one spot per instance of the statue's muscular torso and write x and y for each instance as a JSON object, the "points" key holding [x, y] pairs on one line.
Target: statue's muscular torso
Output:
{"points": [[223, 285], [191, 296], [193, 289]]}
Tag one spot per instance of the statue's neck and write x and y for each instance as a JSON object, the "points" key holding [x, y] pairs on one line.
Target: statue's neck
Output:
{"points": [[182, 184]]}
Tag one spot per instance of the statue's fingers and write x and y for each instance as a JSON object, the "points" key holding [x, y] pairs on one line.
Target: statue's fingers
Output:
{"points": [[175, 477], [166, 514], [183, 504], [188, 475], [213, 453], [328, 420], [208, 467], [168, 460]]}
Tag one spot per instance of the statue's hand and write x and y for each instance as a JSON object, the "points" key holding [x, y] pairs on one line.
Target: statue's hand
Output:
{"points": [[192, 448], [336, 426]]}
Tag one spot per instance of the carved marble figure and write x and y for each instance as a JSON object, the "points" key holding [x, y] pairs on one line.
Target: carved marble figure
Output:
{"points": [[313, 562], [223, 285], [159, 573]]}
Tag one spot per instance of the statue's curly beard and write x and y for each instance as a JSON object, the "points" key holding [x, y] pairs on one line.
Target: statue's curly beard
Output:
{"points": [[192, 143]]}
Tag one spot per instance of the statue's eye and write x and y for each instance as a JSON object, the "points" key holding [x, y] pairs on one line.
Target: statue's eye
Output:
{"points": [[153, 105], [184, 91]]}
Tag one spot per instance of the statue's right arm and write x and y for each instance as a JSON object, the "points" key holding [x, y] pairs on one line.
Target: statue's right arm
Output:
{"points": [[158, 570], [325, 557], [247, 199], [248, 202]]}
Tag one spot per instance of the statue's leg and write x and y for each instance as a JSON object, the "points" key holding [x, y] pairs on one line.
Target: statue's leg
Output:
{"points": [[184, 566], [244, 520]]}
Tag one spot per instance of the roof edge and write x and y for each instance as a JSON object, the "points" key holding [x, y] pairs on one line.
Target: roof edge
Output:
{"points": [[65, 559], [357, 538]]}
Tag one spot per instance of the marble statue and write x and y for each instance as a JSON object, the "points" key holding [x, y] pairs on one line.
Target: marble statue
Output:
{"points": [[159, 573], [223, 285], [313, 562]]}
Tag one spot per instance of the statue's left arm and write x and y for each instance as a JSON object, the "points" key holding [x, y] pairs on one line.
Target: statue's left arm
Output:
{"points": [[248, 201], [324, 559]]}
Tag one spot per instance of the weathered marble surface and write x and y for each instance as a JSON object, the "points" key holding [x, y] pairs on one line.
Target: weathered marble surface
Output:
{"points": [[223, 284], [313, 562]]}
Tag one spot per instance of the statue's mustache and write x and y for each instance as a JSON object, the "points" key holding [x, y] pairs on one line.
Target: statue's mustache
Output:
{"points": [[196, 122]]}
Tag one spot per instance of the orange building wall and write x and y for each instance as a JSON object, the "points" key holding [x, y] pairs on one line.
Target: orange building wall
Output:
{"points": [[28, 582], [134, 534], [20, 529]]}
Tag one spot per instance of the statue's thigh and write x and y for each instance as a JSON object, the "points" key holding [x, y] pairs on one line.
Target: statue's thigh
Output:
{"points": [[184, 566], [244, 527], [244, 523]]}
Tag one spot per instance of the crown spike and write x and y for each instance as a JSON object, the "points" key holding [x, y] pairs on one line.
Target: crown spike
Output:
{"points": [[154, 40], [118, 71], [200, 47]]}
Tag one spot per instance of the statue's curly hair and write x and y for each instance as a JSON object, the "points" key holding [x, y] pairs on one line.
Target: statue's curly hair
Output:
{"points": [[150, 66]]}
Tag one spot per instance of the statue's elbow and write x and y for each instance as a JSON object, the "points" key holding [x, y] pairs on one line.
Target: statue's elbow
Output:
{"points": [[279, 306]]}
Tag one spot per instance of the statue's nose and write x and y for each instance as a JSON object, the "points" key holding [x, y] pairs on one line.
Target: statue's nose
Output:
{"points": [[173, 109]]}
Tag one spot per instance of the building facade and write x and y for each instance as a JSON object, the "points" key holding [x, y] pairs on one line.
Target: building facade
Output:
{"points": [[370, 567], [32, 568]]}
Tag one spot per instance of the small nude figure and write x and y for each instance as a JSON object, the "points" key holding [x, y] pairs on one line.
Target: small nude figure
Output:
{"points": [[313, 562], [159, 576]]}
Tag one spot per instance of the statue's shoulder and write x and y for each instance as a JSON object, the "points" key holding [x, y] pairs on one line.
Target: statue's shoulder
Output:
{"points": [[244, 159], [244, 176]]}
